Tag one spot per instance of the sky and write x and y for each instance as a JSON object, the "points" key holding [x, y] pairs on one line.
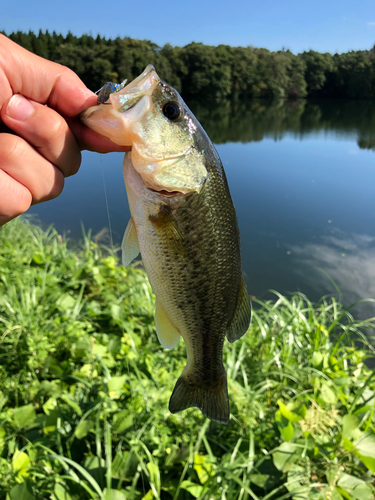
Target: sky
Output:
{"points": [[322, 25]]}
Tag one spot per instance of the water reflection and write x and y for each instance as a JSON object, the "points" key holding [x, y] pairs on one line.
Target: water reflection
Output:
{"points": [[258, 119], [349, 259]]}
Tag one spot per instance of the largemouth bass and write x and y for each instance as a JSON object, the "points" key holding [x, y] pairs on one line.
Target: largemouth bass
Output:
{"points": [[184, 225]]}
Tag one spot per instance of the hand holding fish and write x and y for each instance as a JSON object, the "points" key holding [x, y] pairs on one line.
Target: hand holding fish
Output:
{"points": [[40, 141]]}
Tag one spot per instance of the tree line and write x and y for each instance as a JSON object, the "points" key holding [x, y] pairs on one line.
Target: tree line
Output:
{"points": [[205, 72]]}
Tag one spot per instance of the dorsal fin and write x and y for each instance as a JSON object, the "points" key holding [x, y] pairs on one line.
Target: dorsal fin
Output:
{"points": [[129, 245], [242, 315], [168, 334]]}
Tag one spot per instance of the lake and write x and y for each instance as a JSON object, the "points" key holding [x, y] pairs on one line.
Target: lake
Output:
{"points": [[302, 178]]}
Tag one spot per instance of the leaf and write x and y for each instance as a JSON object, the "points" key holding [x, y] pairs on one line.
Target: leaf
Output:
{"points": [[24, 416], [125, 463], [66, 302], [317, 360], [194, 489], [2, 439], [285, 456], [70, 401], [54, 367], [259, 479], [203, 467], [296, 483], [285, 426], [22, 491], [21, 463], [149, 495], [297, 408], [327, 394], [80, 469], [335, 495], [365, 445], [49, 406], [115, 495], [82, 347], [83, 428], [114, 345], [122, 421], [294, 411], [116, 385], [92, 463], [368, 461], [350, 424], [357, 489], [154, 472], [60, 492]]}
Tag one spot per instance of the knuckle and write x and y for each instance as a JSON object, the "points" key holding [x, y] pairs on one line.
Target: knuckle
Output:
{"points": [[56, 128], [12, 148]]}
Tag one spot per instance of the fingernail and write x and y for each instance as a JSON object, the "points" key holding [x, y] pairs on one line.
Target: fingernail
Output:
{"points": [[19, 108]]}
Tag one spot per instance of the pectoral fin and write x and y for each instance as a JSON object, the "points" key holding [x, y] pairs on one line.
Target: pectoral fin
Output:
{"points": [[242, 315], [129, 244], [168, 334]]}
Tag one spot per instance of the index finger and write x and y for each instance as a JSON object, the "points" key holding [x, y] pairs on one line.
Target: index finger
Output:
{"points": [[43, 81], [46, 82]]}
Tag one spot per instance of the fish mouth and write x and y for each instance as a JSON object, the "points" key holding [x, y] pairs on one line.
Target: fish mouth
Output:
{"points": [[115, 117], [130, 95]]}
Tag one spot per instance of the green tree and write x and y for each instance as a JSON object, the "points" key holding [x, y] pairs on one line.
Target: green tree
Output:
{"points": [[316, 68]]}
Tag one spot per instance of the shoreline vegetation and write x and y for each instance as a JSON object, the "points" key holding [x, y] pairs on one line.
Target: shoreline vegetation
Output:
{"points": [[85, 387], [216, 73]]}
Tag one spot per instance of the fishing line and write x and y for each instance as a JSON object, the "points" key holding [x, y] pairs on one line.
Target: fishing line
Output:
{"points": [[118, 297]]}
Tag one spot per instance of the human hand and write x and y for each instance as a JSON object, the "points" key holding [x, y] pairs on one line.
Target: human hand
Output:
{"points": [[40, 137]]}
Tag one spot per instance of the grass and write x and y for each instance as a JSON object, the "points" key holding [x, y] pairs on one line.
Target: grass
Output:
{"points": [[85, 387]]}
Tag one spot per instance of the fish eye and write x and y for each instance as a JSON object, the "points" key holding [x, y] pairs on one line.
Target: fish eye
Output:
{"points": [[172, 110]]}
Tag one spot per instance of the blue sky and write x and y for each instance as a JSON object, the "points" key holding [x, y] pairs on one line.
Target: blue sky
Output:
{"points": [[325, 26]]}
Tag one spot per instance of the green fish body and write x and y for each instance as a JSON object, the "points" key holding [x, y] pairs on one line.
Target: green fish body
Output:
{"points": [[184, 224]]}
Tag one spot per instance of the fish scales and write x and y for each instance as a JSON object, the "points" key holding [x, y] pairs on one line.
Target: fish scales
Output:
{"points": [[185, 227]]}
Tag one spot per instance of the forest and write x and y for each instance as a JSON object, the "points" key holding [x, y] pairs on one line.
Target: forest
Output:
{"points": [[211, 73]]}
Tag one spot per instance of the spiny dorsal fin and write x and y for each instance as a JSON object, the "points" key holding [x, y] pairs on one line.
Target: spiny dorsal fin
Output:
{"points": [[168, 334], [129, 245], [242, 315]]}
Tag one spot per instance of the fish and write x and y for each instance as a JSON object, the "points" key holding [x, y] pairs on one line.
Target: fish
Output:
{"points": [[184, 225]]}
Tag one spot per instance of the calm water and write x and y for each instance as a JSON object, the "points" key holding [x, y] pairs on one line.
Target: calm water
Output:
{"points": [[302, 178]]}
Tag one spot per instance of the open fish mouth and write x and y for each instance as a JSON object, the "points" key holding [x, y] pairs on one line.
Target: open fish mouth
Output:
{"points": [[127, 97], [109, 118]]}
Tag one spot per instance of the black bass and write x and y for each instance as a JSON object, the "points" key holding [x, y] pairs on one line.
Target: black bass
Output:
{"points": [[184, 225]]}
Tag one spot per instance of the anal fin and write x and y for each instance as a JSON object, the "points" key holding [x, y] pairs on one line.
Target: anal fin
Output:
{"points": [[242, 315], [129, 245], [168, 334]]}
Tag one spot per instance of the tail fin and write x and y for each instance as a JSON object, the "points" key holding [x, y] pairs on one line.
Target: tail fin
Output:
{"points": [[212, 401]]}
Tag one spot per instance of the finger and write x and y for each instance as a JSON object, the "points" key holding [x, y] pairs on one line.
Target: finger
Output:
{"points": [[44, 129], [88, 139], [22, 163], [22, 72], [15, 198]]}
